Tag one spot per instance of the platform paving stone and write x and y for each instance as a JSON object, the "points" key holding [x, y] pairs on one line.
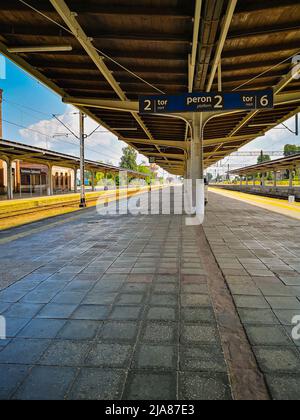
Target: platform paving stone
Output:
{"points": [[123, 310], [15, 325], [204, 386], [257, 316], [57, 311], [199, 334], [23, 351], [151, 386], [97, 384], [11, 376], [284, 387], [278, 359], [65, 353], [268, 336], [42, 328], [46, 383], [91, 312], [160, 357], [251, 302], [79, 330], [284, 303], [117, 332], [202, 358], [158, 332], [109, 355]]}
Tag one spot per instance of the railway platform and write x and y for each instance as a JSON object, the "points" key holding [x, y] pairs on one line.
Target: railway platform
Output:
{"points": [[145, 307]]}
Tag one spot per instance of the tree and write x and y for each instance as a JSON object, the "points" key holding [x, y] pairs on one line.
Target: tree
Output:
{"points": [[128, 160], [291, 149], [263, 158], [144, 169]]}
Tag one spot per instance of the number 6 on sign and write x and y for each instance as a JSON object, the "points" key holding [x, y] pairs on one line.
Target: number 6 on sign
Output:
{"points": [[264, 101]]}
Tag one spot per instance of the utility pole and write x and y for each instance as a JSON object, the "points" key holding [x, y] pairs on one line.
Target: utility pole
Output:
{"points": [[82, 161]]}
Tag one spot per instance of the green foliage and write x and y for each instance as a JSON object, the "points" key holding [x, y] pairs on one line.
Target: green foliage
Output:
{"points": [[263, 158], [291, 149], [146, 170], [128, 160]]}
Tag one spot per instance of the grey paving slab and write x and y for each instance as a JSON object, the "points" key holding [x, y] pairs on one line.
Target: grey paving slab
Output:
{"points": [[91, 312], [23, 351], [202, 358], [109, 355], [199, 334], [204, 386], [284, 387], [65, 353], [46, 383], [160, 332], [23, 310], [151, 386], [42, 328], [58, 311], [98, 384], [11, 376], [118, 332], [268, 336], [122, 310], [278, 359], [257, 316], [161, 357], [79, 330]]}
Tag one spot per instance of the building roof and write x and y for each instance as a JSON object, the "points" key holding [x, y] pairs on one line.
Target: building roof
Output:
{"points": [[19, 151], [273, 165], [171, 46]]}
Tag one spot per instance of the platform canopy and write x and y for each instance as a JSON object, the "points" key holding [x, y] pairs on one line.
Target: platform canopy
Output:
{"points": [[286, 163], [101, 55], [18, 151]]}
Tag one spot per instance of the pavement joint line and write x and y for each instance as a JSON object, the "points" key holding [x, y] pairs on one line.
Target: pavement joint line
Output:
{"points": [[247, 381]]}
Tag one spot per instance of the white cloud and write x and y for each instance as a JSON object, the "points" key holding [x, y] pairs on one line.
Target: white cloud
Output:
{"points": [[49, 134], [102, 145]]}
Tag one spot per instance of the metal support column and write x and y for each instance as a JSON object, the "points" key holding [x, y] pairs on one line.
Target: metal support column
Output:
{"points": [[10, 183], [197, 168], [291, 177], [93, 174], [75, 180], [50, 181], [82, 162], [275, 179]]}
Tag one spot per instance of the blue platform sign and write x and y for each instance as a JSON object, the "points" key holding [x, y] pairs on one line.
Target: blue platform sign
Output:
{"points": [[207, 102]]}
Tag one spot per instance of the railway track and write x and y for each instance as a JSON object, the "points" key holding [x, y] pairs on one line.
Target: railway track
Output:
{"points": [[7, 214]]}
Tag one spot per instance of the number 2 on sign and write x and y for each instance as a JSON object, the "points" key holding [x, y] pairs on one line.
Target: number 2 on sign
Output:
{"points": [[147, 105]]}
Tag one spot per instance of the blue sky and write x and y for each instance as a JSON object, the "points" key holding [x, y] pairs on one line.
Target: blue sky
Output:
{"points": [[29, 104]]}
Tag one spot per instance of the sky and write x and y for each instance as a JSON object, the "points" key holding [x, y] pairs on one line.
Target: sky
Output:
{"points": [[28, 110]]}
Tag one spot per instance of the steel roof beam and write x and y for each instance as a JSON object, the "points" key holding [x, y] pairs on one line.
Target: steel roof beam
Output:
{"points": [[224, 32], [70, 19], [193, 56]]}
